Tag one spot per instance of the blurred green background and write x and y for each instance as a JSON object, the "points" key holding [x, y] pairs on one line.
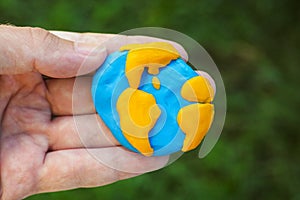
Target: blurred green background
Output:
{"points": [[255, 44]]}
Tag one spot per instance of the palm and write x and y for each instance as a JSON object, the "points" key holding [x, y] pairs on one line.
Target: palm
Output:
{"points": [[24, 121], [41, 152]]}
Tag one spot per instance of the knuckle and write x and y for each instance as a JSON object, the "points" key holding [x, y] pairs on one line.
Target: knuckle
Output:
{"points": [[42, 38]]}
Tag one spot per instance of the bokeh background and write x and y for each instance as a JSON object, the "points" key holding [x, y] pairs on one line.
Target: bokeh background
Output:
{"points": [[255, 44]]}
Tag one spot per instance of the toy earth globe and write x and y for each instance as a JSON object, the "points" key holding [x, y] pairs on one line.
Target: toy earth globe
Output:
{"points": [[152, 101]]}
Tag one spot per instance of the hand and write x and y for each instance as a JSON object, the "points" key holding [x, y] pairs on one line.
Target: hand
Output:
{"points": [[41, 151]]}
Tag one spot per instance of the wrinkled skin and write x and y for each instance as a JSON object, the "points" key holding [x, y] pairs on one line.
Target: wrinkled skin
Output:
{"points": [[25, 115]]}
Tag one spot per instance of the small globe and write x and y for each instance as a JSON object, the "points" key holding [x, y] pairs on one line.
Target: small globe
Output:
{"points": [[152, 111]]}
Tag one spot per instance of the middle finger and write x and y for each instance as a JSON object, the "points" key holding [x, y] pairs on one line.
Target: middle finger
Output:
{"points": [[64, 100]]}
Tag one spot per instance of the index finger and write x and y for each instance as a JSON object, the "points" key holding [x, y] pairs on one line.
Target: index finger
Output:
{"points": [[113, 42]]}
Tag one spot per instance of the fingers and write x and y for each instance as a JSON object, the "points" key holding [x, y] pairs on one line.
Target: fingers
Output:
{"points": [[113, 42], [68, 97], [34, 49], [70, 169], [87, 131]]}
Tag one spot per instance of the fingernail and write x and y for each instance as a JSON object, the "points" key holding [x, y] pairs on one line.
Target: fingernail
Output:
{"points": [[89, 49]]}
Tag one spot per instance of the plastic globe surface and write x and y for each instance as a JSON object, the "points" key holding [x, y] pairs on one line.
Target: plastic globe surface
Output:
{"points": [[152, 101]]}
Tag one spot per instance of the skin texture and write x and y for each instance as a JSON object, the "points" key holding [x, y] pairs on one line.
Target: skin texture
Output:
{"points": [[40, 150]]}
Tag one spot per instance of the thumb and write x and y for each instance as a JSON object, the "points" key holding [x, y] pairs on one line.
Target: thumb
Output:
{"points": [[25, 49]]}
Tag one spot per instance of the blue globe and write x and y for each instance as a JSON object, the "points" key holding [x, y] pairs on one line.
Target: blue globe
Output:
{"points": [[110, 81]]}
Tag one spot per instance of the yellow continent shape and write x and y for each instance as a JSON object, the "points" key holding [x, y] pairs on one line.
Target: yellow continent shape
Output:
{"points": [[195, 120], [156, 83], [197, 89], [152, 55], [138, 114]]}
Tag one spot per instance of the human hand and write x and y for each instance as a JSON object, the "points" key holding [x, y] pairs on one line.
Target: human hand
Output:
{"points": [[41, 150]]}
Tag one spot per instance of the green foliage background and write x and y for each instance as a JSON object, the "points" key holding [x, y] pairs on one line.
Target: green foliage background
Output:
{"points": [[255, 44]]}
